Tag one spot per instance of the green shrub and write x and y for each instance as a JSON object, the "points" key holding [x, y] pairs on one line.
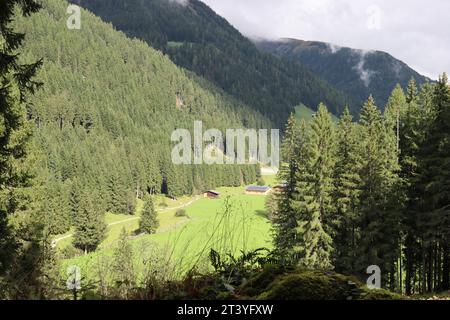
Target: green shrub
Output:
{"points": [[70, 252], [180, 213]]}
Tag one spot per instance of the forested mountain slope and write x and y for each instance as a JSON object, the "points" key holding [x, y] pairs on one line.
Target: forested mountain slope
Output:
{"points": [[105, 115], [357, 73], [196, 38]]}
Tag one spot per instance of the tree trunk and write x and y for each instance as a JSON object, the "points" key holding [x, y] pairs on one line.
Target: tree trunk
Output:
{"points": [[445, 268]]}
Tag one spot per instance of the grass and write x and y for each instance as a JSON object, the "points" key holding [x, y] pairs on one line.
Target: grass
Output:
{"points": [[302, 112], [175, 44], [188, 240], [270, 181]]}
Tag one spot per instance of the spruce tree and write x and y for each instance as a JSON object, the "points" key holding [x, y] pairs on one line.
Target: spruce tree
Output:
{"points": [[89, 223], [312, 202], [285, 222], [347, 182], [379, 220], [123, 267], [15, 131], [395, 112], [434, 177], [149, 219], [322, 145]]}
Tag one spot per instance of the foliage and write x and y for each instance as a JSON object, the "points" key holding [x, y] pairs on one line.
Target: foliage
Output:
{"points": [[116, 143], [149, 220]]}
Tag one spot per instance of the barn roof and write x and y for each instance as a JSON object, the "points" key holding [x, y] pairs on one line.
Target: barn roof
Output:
{"points": [[213, 192], [258, 189]]}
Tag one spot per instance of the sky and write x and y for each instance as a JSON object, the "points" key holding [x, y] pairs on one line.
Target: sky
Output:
{"points": [[415, 31]]}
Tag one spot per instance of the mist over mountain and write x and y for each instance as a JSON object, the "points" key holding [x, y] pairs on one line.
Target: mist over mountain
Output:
{"points": [[358, 73]]}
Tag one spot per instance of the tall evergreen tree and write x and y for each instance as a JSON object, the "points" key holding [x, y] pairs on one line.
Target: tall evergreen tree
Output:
{"points": [[434, 177], [379, 221], [347, 183], [313, 195], [89, 224], [15, 132], [286, 222], [395, 111], [149, 219], [323, 159]]}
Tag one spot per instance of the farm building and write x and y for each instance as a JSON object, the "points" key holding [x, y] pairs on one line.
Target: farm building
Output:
{"points": [[256, 190], [280, 188], [211, 194]]}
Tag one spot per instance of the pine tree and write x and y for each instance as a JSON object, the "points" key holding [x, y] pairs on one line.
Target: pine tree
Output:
{"points": [[395, 112], [286, 222], [149, 220], [15, 132], [123, 267], [434, 177], [312, 202], [55, 206], [409, 130], [346, 195], [323, 159], [89, 224], [379, 220]]}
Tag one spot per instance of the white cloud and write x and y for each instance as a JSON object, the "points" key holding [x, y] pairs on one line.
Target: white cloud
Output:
{"points": [[413, 31], [364, 74]]}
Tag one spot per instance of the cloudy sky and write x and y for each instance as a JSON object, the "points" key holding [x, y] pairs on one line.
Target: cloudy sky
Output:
{"points": [[414, 31]]}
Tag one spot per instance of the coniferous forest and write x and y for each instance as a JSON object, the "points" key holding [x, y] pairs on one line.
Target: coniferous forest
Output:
{"points": [[371, 192], [87, 180]]}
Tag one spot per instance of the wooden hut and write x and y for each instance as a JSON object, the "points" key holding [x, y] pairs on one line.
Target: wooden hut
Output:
{"points": [[211, 194]]}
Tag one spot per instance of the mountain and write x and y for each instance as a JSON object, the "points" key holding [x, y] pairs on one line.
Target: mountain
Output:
{"points": [[198, 39], [105, 115], [357, 73]]}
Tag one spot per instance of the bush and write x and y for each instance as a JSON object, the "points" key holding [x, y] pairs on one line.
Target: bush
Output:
{"points": [[70, 252], [181, 213]]}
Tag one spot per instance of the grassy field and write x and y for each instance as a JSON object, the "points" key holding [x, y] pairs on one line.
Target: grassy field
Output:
{"points": [[230, 224], [270, 181]]}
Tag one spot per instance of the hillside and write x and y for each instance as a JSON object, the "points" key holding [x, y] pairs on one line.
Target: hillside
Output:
{"points": [[357, 73], [105, 115], [302, 112], [196, 38]]}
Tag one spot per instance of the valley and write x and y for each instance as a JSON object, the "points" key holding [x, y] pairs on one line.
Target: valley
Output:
{"points": [[113, 179], [230, 224]]}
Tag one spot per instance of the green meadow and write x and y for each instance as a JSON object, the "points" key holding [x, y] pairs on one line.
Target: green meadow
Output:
{"points": [[236, 222]]}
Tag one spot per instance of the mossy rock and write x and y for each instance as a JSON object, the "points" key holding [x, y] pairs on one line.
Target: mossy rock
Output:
{"points": [[380, 294], [310, 285], [261, 281], [276, 283]]}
